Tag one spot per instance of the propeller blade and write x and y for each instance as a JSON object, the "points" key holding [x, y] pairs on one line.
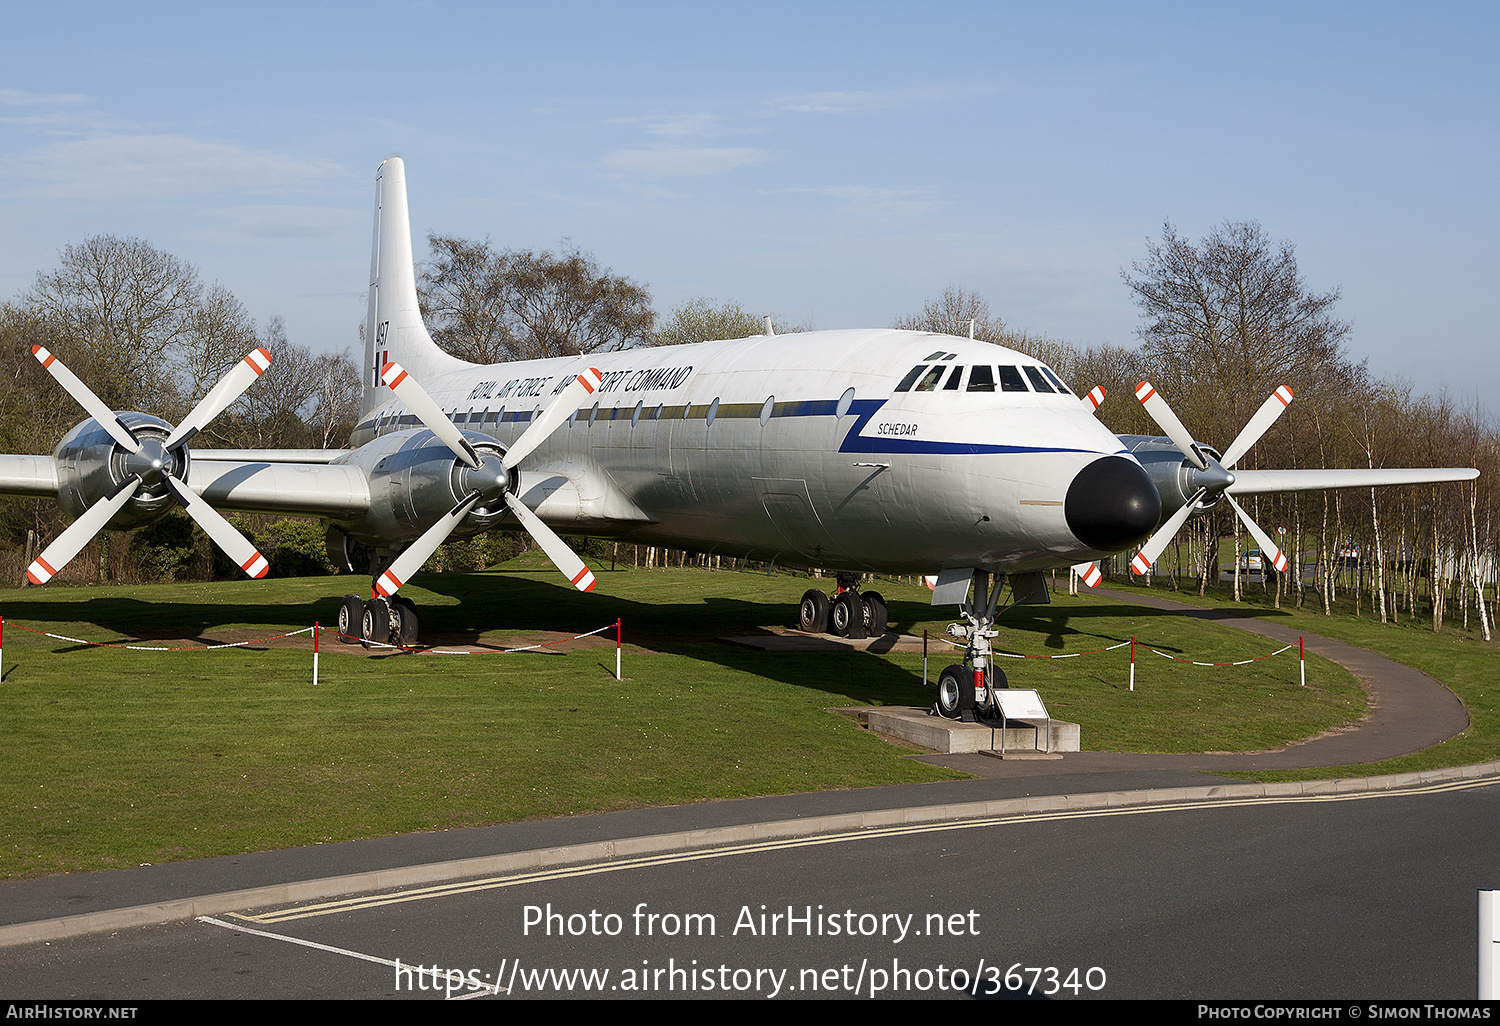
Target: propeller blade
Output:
{"points": [[1257, 426], [1258, 482], [420, 551], [1158, 542], [1168, 422], [1088, 573], [1094, 400], [235, 545], [394, 376], [229, 388], [1268, 548], [80, 532], [553, 416], [91, 403], [556, 549]]}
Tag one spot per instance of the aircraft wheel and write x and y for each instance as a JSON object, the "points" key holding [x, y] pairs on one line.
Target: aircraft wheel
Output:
{"points": [[350, 614], [812, 615], [847, 615], [375, 625], [950, 684], [405, 612], [877, 617]]}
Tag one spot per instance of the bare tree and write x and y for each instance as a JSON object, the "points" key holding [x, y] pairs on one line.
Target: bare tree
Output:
{"points": [[702, 320], [951, 314], [125, 309], [336, 392], [1228, 318], [485, 306]]}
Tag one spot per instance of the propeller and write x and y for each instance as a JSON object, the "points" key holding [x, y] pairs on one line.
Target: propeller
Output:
{"points": [[151, 461], [1214, 477], [489, 478]]}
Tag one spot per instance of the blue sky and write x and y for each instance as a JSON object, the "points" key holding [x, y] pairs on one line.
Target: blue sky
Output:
{"points": [[835, 164]]}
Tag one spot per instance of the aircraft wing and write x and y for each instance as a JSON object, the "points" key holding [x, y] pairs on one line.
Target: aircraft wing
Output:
{"points": [[274, 481], [1257, 482]]}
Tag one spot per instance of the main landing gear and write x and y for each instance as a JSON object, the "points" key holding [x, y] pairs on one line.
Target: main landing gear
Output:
{"points": [[378, 621], [847, 614]]}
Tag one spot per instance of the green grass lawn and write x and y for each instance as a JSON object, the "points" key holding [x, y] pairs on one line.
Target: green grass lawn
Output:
{"points": [[116, 758]]}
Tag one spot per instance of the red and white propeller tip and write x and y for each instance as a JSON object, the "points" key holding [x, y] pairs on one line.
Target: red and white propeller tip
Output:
{"points": [[1094, 399]]}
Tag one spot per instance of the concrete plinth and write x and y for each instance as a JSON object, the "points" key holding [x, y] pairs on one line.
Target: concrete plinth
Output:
{"points": [[919, 727]]}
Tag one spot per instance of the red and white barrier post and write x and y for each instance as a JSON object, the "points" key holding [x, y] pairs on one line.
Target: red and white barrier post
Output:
{"points": [[1302, 659], [316, 632], [924, 658], [1132, 664], [617, 650]]}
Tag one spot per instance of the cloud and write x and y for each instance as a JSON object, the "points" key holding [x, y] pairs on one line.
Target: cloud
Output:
{"points": [[157, 167], [21, 98], [284, 221], [873, 199], [836, 102], [680, 161], [679, 125]]}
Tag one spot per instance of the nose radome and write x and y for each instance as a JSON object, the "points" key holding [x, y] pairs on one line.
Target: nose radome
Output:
{"points": [[1112, 504]]}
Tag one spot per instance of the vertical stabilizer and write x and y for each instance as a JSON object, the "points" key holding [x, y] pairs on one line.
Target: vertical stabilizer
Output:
{"points": [[393, 327]]}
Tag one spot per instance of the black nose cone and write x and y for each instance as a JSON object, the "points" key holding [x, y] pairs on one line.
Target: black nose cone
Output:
{"points": [[1112, 504]]}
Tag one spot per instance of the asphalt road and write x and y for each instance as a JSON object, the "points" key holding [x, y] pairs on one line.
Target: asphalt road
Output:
{"points": [[1357, 897]]}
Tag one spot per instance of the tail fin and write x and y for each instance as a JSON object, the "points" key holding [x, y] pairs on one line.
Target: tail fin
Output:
{"points": [[393, 327]]}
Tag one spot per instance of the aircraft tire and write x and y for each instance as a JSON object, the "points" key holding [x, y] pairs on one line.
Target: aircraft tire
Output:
{"points": [[877, 617], [949, 686], [812, 614], [351, 613], [375, 624], [405, 611], [846, 618]]}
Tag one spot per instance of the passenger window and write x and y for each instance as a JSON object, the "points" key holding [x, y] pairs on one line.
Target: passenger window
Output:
{"points": [[1037, 381], [1011, 380], [982, 378], [1056, 381], [951, 385], [911, 378], [931, 378]]}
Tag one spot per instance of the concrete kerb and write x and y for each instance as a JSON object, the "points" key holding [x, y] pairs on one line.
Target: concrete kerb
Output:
{"points": [[541, 859]]}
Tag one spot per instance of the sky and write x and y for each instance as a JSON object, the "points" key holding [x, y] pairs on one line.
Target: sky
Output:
{"points": [[833, 164]]}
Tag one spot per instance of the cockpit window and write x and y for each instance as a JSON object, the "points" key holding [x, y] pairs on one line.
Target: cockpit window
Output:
{"points": [[1037, 381], [911, 378], [951, 385], [1056, 381], [982, 378], [1011, 380], [930, 379]]}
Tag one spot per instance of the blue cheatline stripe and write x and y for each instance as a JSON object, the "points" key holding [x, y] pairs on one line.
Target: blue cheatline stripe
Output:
{"points": [[854, 442]]}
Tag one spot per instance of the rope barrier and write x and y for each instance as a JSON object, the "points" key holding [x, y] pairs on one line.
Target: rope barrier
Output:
{"points": [[316, 631]]}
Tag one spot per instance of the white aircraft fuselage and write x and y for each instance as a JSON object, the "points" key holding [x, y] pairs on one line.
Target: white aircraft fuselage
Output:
{"points": [[794, 448]]}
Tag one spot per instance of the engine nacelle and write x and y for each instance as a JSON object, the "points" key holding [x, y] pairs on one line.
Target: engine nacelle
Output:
{"points": [[414, 480], [91, 465], [1175, 478]]}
